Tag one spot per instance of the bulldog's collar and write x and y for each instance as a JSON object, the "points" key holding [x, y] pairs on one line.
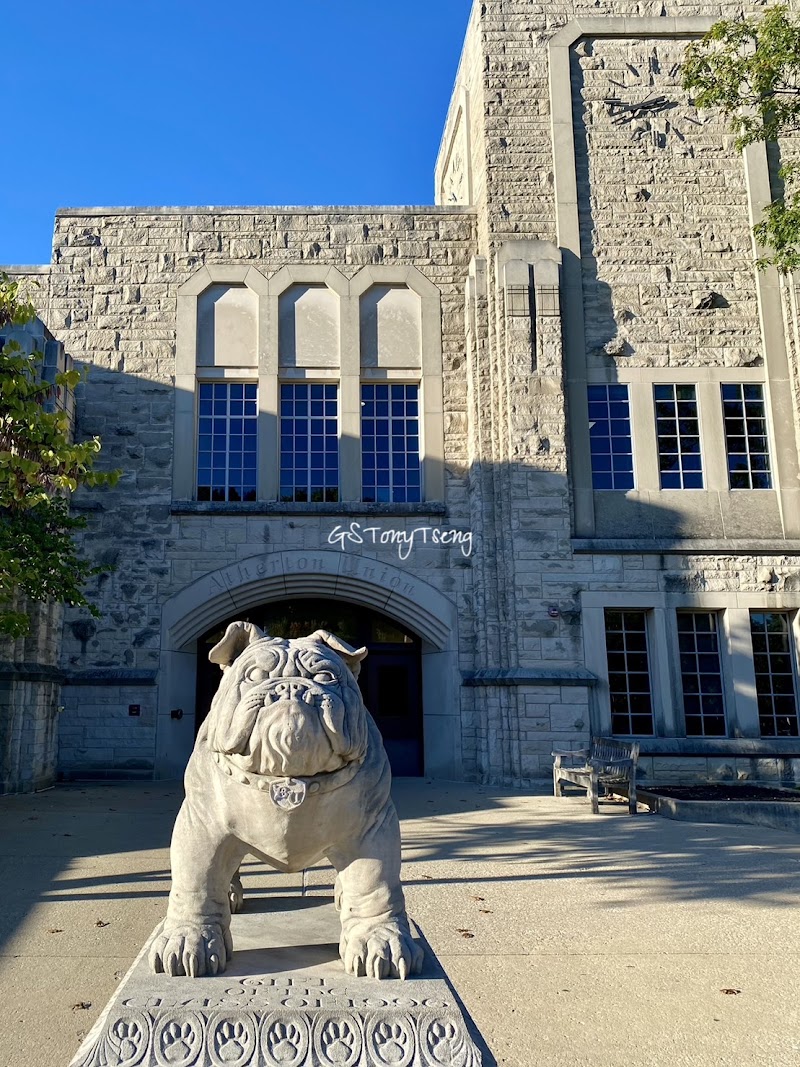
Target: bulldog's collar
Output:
{"points": [[289, 792]]}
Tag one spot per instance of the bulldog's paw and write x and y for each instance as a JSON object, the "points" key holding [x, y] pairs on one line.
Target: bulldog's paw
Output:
{"points": [[383, 950], [191, 950], [236, 895]]}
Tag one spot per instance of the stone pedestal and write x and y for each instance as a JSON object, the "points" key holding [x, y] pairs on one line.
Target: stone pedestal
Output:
{"points": [[284, 1001]]}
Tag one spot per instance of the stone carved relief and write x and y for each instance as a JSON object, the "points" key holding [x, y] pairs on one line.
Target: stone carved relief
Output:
{"points": [[284, 1038], [456, 180], [648, 98], [289, 766], [661, 195], [455, 184], [178, 1039], [261, 993]]}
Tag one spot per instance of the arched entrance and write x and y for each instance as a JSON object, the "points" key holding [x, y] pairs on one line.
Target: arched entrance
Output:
{"points": [[390, 679], [290, 577]]}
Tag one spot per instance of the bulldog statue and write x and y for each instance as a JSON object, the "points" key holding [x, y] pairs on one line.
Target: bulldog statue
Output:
{"points": [[288, 766]]}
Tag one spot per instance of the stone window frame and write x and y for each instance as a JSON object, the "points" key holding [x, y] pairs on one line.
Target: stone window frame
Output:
{"points": [[736, 655], [410, 455], [349, 374], [775, 372], [429, 376], [672, 428], [643, 612], [702, 715], [612, 438], [707, 381], [213, 454], [750, 471], [188, 374], [274, 376], [330, 439], [793, 671]]}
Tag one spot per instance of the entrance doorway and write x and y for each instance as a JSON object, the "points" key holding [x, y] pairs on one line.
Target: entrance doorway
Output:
{"points": [[390, 679]]}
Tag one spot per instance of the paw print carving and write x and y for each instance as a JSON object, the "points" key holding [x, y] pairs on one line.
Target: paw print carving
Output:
{"points": [[391, 1042], [231, 1039], [284, 1042], [337, 1042], [128, 1039], [178, 1042], [443, 1041]]}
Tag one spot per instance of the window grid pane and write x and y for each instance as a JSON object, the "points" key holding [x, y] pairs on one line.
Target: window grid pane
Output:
{"points": [[678, 433], [610, 437], [227, 441], [773, 657], [745, 417], [309, 425], [701, 674], [390, 468], [629, 672]]}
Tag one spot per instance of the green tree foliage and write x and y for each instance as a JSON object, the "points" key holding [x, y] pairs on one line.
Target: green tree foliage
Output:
{"points": [[750, 69], [39, 467]]}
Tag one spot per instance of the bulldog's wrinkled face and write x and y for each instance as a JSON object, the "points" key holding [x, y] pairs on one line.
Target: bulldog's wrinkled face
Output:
{"points": [[286, 707]]}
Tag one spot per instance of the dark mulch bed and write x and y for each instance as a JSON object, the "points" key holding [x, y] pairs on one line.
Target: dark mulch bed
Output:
{"points": [[725, 792]]}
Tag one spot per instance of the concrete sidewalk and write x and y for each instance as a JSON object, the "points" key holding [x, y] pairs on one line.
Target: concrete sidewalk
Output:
{"points": [[572, 939]]}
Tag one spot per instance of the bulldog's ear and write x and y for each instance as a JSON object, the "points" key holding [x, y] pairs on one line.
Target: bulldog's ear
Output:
{"points": [[351, 656], [237, 637]]}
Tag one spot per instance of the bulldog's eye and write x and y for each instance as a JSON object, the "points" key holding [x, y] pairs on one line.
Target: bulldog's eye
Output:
{"points": [[255, 674], [325, 677]]}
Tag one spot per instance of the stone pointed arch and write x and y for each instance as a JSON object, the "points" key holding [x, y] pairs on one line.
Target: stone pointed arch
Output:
{"points": [[428, 369], [271, 576]]}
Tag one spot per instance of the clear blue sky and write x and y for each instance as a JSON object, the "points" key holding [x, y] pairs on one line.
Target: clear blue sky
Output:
{"points": [[110, 103]]}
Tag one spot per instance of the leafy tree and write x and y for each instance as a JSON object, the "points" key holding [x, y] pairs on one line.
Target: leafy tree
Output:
{"points": [[749, 67], [39, 466]]}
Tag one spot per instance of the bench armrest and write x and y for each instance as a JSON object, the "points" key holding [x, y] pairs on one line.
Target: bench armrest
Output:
{"points": [[569, 759]]}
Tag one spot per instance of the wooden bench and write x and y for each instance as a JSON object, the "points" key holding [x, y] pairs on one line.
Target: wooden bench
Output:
{"points": [[607, 763]]}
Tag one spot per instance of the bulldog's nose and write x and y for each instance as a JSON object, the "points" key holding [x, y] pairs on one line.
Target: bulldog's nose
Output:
{"points": [[291, 690]]}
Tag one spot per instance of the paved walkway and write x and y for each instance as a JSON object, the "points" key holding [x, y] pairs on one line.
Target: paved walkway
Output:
{"points": [[573, 940]]}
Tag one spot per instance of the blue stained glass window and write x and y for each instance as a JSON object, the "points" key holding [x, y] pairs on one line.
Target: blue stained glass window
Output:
{"points": [[610, 437], [745, 417], [226, 442], [390, 443], [309, 443], [678, 434]]}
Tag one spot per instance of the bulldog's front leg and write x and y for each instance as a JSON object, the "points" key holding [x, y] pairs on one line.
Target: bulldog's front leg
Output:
{"points": [[376, 940], [196, 937]]}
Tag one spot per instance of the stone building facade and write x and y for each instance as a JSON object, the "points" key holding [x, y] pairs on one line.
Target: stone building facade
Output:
{"points": [[577, 510]]}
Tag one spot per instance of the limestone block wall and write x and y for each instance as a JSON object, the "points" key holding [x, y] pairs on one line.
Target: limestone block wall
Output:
{"points": [[592, 226], [506, 53], [664, 216], [98, 736], [650, 208], [526, 642], [460, 172], [113, 302], [30, 702]]}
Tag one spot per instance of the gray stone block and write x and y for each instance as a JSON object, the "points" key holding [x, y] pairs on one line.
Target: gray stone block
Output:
{"points": [[284, 1001]]}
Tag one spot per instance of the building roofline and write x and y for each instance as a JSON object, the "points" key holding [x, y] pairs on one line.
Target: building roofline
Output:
{"points": [[23, 268], [452, 104], [292, 209]]}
